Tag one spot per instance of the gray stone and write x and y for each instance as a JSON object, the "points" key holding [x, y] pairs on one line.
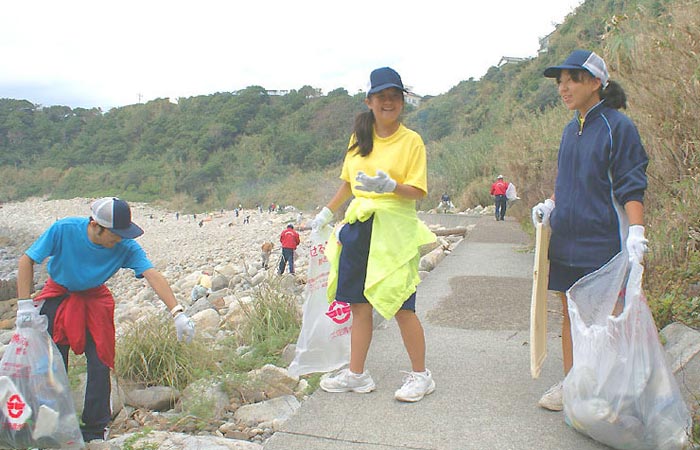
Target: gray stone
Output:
{"points": [[219, 282], [288, 353], [200, 305], [205, 394], [683, 356], [267, 411], [220, 293], [156, 398], [276, 381], [682, 344], [8, 288], [207, 320], [179, 441]]}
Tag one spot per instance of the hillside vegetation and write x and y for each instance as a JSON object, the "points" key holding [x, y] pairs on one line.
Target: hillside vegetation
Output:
{"points": [[248, 147]]}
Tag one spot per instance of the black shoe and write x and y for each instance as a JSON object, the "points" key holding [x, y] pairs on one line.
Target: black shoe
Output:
{"points": [[93, 437]]}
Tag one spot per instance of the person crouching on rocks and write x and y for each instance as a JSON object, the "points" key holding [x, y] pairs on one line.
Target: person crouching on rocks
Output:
{"points": [[265, 251], [85, 253]]}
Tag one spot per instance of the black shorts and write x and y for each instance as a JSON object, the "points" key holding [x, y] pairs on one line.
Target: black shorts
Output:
{"points": [[562, 277], [352, 267]]}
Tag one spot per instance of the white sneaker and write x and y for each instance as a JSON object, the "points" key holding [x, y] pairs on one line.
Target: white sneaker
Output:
{"points": [[416, 385], [553, 398], [346, 381]]}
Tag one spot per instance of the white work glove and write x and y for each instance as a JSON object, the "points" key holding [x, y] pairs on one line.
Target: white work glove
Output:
{"points": [[636, 243], [184, 327], [542, 211], [381, 183], [322, 219]]}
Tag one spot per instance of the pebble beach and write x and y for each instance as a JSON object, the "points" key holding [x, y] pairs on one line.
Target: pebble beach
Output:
{"points": [[175, 242], [182, 247]]}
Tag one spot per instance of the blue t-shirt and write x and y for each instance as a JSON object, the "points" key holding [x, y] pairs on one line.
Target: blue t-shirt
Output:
{"points": [[77, 263]]}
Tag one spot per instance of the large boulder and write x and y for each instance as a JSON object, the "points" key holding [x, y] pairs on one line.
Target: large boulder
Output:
{"points": [[682, 345]]}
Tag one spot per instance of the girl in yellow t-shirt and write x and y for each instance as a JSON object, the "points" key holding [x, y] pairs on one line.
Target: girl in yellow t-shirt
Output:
{"points": [[375, 263]]}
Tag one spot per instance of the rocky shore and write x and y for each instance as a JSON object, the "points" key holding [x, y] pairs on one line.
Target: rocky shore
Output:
{"points": [[182, 247]]}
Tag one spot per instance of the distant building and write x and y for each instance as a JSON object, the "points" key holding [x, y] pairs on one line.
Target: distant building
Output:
{"points": [[278, 92], [544, 43], [413, 99], [510, 60], [308, 92]]}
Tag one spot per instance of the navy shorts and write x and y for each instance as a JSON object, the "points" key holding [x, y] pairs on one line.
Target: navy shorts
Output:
{"points": [[352, 267], [562, 277]]}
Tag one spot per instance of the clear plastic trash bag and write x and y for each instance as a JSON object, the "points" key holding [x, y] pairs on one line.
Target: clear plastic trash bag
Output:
{"points": [[36, 408], [620, 390], [511, 193], [324, 340]]}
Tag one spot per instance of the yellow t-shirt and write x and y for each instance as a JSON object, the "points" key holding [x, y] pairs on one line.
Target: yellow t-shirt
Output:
{"points": [[401, 155], [397, 233]]}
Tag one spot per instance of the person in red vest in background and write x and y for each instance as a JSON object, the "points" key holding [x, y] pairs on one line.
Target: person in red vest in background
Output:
{"points": [[498, 190], [290, 240]]}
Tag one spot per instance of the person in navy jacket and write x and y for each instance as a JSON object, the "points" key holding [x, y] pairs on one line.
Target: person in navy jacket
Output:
{"points": [[597, 209]]}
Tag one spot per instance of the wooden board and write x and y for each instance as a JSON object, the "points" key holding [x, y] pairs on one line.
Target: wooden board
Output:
{"points": [[538, 305]]}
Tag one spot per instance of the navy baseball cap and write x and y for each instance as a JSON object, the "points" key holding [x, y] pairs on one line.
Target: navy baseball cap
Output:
{"points": [[582, 59], [384, 78], [114, 214]]}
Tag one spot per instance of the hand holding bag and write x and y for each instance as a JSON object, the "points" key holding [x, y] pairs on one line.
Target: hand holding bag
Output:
{"points": [[36, 405], [324, 340]]}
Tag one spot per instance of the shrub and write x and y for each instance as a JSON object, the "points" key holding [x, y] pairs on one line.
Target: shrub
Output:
{"points": [[150, 353], [273, 319]]}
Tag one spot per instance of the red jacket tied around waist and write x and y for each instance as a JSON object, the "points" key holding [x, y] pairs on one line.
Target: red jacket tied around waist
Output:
{"points": [[90, 310]]}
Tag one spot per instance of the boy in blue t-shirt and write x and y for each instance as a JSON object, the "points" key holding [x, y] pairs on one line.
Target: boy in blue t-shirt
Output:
{"points": [[84, 253]]}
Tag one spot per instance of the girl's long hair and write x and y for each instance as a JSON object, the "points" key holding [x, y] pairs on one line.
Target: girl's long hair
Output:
{"points": [[614, 95], [363, 129]]}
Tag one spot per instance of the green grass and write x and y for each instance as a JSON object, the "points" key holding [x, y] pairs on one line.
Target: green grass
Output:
{"points": [[132, 443], [272, 319], [149, 352]]}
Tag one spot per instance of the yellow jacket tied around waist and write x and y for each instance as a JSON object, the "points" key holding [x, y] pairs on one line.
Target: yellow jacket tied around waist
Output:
{"points": [[392, 266]]}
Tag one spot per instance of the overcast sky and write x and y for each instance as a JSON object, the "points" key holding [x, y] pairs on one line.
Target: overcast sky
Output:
{"points": [[97, 53]]}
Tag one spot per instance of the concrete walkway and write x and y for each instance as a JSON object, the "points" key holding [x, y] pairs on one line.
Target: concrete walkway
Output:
{"points": [[475, 308]]}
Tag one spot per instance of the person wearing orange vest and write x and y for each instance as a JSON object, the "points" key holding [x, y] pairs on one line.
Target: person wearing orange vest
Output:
{"points": [[290, 240], [498, 190]]}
